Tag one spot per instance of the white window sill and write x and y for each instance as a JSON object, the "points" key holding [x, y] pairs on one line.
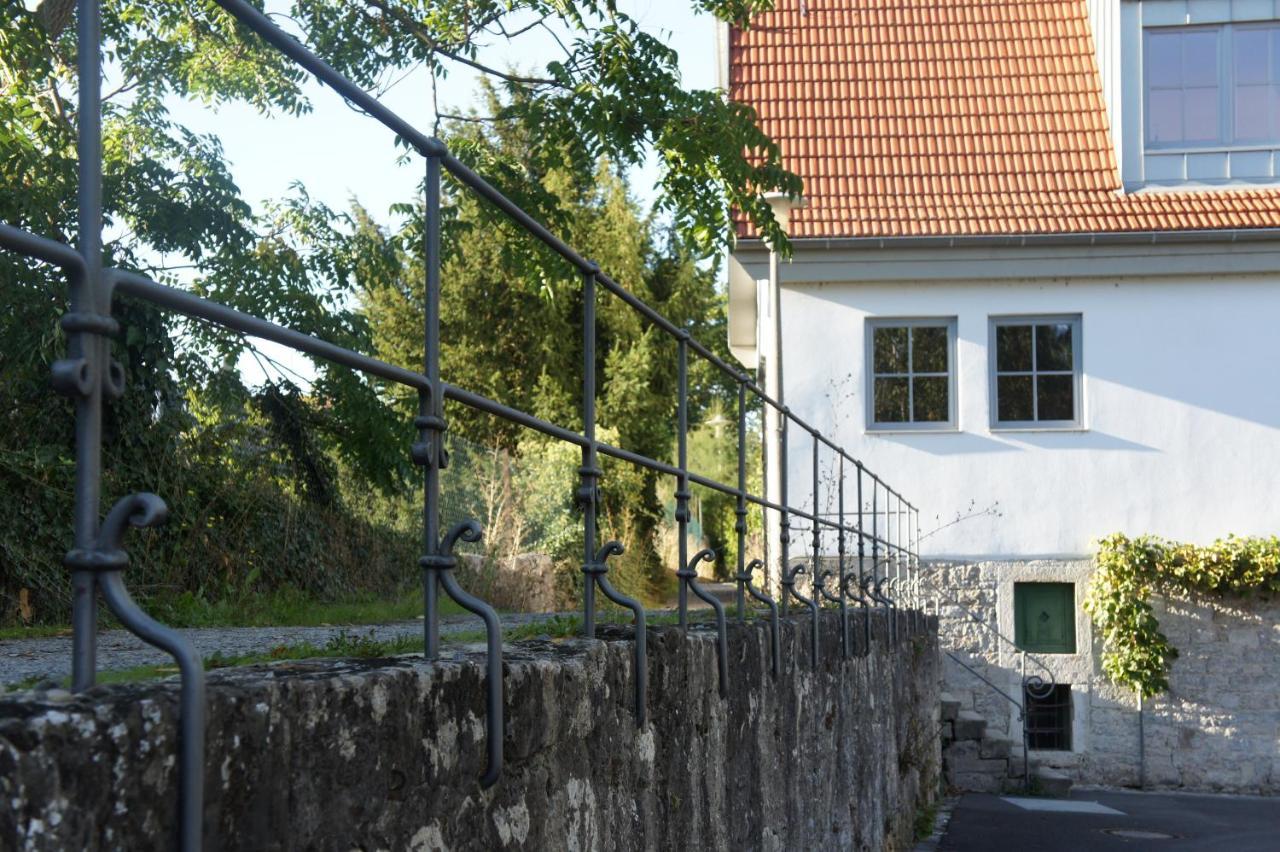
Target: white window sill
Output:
{"points": [[996, 430], [946, 430]]}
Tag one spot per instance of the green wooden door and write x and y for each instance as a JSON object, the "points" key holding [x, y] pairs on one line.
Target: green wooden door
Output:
{"points": [[1044, 617]]}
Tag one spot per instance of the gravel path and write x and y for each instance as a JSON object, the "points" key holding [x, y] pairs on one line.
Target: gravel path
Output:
{"points": [[50, 657]]}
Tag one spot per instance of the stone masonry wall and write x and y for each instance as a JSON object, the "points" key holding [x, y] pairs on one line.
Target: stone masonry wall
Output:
{"points": [[385, 754], [1218, 727]]}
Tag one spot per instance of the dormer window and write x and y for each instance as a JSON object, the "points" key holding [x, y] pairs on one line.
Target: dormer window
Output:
{"points": [[1211, 102], [1212, 87]]}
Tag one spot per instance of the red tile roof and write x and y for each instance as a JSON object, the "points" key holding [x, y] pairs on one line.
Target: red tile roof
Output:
{"points": [[950, 117]]}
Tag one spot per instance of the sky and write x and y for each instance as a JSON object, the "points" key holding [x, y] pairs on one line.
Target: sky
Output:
{"points": [[340, 155]]}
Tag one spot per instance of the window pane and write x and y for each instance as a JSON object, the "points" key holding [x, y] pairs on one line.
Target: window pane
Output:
{"points": [[1056, 397], [931, 400], [1253, 112], [1250, 56], [1164, 116], [1200, 58], [891, 401], [1164, 59], [1013, 398], [1013, 348], [1200, 115], [928, 350], [890, 350], [1053, 347]]}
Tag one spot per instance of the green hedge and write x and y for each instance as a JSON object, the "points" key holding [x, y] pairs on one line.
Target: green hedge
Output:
{"points": [[1130, 570]]}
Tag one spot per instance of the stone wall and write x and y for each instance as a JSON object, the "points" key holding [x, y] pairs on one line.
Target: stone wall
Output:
{"points": [[1218, 727], [384, 754]]}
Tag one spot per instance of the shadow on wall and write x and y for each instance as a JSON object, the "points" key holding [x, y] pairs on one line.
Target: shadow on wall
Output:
{"points": [[964, 443]]}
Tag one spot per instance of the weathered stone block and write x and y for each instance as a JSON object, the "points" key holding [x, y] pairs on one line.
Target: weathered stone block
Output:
{"points": [[969, 725], [385, 754]]}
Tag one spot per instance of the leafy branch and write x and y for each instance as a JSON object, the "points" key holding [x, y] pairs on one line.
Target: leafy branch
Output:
{"points": [[1136, 653]]}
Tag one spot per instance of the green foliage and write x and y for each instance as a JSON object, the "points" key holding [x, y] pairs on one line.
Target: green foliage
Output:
{"points": [[307, 487], [1129, 571]]}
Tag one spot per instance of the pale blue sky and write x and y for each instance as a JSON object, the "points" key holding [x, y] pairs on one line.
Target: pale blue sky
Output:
{"points": [[338, 153]]}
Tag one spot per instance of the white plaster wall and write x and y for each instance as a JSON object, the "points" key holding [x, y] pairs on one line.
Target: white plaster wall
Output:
{"points": [[1181, 403]]}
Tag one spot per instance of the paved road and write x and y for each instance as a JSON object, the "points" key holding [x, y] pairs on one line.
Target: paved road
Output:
{"points": [[1177, 822], [118, 649]]}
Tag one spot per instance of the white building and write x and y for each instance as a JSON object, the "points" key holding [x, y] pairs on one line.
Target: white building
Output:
{"points": [[1038, 267]]}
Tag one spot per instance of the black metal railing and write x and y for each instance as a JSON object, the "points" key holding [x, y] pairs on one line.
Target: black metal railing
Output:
{"points": [[886, 559], [1034, 686]]}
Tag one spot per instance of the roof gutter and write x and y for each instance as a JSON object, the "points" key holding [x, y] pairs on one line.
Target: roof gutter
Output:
{"points": [[1221, 235]]}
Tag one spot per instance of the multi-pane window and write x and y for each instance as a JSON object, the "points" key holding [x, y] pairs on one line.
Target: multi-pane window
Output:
{"points": [[1255, 53], [1212, 86], [911, 375], [1035, 371], [1048, 718]]}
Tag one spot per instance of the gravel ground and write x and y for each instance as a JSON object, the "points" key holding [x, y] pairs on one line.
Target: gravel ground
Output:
{"points": [[50, 658], [119, 649]]}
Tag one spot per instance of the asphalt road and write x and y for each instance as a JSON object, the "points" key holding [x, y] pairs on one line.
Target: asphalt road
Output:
{"points": [[1177, 822]]}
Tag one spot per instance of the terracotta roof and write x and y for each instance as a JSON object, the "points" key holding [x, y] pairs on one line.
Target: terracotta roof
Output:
{"points": [[948, 117]]}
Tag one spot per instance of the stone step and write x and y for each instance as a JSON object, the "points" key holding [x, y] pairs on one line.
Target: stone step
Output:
{"points": [[950, 707], [1050, 782], [969, 726], [994, 748]]}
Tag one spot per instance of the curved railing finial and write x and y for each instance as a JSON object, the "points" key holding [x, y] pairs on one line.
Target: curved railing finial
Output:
{"points": [[108, 559], [598, 573], [689, 575], [443, 563]]}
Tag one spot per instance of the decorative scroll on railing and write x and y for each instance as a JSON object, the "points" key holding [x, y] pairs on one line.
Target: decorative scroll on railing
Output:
{"points": [[91, 378]]}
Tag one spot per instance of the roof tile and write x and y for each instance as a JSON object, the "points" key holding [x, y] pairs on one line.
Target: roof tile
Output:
{"points": [[915, 117]]}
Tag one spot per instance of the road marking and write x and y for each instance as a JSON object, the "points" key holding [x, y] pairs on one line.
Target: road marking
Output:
{"points": [[1069, 806]]}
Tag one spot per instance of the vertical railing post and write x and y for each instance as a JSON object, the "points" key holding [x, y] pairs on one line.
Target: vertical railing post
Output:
{"points": [[817, 541], [430, 422], [787, 578], [875, 545], [88, 343], [862, 565], [740, 525], [682, 486], [589, 472], [844, 601]]}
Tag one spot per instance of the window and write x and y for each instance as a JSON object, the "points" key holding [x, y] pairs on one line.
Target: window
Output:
{"points": [[912, 374], [1213, 86], [1044, 617], [1048, 720], [1035, 371]]}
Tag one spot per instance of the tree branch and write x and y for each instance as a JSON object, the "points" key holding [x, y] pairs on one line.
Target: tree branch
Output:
{"points": [[423, 36]]}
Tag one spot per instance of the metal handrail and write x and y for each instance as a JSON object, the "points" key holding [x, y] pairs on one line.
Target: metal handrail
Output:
{"points": [[1034, 685], [90, 377], [1040, 687]]}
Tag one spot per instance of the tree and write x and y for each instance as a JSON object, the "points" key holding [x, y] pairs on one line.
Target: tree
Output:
{"points": [[511, 315], [174, 212]]}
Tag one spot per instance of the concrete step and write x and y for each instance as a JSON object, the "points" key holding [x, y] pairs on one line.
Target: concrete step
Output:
{"points": [[1050, 782], [950, 707], [969, 726]]}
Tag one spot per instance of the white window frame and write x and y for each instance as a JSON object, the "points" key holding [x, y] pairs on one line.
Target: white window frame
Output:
{"points": [[948, 425], [1224, 139], [1076, 423]]}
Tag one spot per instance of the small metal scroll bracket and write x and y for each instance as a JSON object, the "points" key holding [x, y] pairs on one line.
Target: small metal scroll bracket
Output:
{"points": [[442, 563], [689, 575], [597, 572]]}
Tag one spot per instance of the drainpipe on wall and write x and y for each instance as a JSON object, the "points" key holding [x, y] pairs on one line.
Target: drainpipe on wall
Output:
{"points": [[770, 367]]}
